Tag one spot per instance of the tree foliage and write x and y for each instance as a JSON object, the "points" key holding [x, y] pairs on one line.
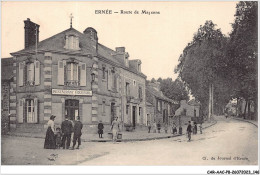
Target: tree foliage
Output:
{"points": [[200, 62], [175, 90]]}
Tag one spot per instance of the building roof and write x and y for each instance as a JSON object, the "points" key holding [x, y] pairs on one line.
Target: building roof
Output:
{"points": [[158, 94], [6, 68], [193, 102], [56, 43]]}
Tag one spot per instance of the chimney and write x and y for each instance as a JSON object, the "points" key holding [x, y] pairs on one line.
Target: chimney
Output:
{"points": [[31, 32], [121, 54]]}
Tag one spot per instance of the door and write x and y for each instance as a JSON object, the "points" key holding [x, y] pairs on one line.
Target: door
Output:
{"points": [[72, 109], [134, 115], [113, 111], [165, 116]]}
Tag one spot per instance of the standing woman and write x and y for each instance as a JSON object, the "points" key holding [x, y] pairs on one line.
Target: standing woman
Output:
{"points": [[115, 129], [50, 139]]}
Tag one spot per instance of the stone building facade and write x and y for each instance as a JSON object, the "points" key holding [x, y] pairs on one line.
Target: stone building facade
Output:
{"points": [[159, 107], [72, 74]]}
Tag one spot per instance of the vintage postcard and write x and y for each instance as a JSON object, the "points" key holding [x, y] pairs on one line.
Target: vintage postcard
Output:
{"points": [[165, 87]]}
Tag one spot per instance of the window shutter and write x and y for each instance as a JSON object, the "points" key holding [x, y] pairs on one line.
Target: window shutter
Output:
{"points": [[60, 73], [109, 80], [35, 120], [117, 83], [21, 110], [37, 72], [83, 74], [21, 74]]}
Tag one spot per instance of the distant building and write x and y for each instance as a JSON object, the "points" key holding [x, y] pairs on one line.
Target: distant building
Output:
{"points": [[72, 74], [158, 105]]}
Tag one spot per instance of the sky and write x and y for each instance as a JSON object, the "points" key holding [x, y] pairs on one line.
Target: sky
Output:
{"points": [[156, 39]]}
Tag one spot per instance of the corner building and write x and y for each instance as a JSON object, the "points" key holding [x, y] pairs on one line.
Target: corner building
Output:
{"points": [[72, 74]]}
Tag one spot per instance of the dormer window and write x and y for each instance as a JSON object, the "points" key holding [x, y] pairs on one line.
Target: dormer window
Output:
{"points": [[72, 42]]}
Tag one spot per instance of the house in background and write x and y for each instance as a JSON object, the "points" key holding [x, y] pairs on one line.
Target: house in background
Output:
{"points": [[158, 103], [72, 74]]}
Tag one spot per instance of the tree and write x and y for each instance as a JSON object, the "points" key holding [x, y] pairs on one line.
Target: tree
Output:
{"points": [[200, 62], [175, 90], [241, 57]]}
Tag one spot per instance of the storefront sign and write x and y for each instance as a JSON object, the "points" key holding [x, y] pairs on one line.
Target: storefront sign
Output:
{"points": [[71, 92]]}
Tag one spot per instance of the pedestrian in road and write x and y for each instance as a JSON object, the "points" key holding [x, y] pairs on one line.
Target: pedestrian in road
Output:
{"points": [[115, 129], [77, 132], [66, 128], [195, 128], [189, 131], [149, 126], [154, 127], [58, 136], [100, 129], [159, 126], [166, 127], [174, 129], [201, 128], [49, 142]]}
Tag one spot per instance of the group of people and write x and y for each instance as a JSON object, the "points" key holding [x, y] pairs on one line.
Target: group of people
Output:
{"points": [[157, 127], [193, 129], [61, 137]]}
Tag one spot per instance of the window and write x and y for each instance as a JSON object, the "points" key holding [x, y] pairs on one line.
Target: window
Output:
{"points": [[29, 73], [72, 71], [140, 111], [139, 67], [103, 73], [127, 90], [115, 81], [134, 83], [30, 110], [127, 109], [72, 42], [140, 93], [159, 105], [103, 106]]}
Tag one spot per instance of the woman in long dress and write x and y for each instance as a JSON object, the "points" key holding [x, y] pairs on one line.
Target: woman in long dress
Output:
{"points": [[50, 138], [115, 129]]}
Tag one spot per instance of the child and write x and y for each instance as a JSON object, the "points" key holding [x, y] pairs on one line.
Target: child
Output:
{"points": [[149, 127], [100, 129], [58, 138]]}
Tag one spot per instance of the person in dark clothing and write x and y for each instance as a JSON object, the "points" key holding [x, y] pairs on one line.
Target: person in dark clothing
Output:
{"points": [[100, 129], [189, 131], [77, 132], [195, 128], [50, 137], [66, 128]]}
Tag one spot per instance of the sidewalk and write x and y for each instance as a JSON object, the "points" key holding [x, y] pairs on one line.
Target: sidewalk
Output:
{"points": [[126, 136], [248, 121]]}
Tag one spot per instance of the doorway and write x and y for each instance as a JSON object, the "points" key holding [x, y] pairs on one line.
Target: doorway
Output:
{"points": [[134, 115], [165, 116], [72, 109], [113, 111]]}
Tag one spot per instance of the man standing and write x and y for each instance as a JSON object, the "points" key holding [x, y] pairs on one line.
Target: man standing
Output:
{"points": [[189, 131], [66, 128], [77, 132]]}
